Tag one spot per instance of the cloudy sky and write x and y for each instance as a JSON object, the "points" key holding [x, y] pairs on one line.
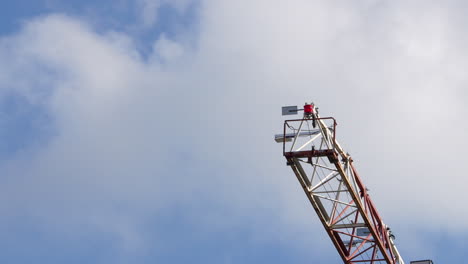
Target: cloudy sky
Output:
{"points": [[142, 131]]}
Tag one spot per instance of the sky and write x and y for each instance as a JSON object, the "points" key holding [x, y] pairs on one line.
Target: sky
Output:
{"points": [[142, 131]]}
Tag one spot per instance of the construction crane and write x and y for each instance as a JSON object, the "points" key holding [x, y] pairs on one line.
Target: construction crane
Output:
{"points": [[335, 190]]}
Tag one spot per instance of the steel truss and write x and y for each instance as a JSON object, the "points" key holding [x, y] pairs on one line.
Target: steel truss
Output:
{"points": [[336, 192]]}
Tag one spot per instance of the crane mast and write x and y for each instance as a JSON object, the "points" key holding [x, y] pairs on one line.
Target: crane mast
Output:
{"points": [[335, 190]]}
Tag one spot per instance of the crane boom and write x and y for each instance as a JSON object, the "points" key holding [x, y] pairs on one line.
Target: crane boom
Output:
{"points": [[335, 190]]}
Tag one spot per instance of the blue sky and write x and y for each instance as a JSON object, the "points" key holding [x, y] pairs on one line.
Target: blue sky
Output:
{"points": [[142, 131]]}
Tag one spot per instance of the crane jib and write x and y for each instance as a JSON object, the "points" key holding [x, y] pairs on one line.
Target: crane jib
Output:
{"points": [[335, 190]]}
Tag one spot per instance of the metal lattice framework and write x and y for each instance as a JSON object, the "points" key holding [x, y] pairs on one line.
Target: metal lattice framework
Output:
{"points": [[336, 192]]}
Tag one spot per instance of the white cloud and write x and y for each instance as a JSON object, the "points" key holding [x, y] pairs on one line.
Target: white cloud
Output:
{"points": [[144, 135], [166, 50], [150, 9]]}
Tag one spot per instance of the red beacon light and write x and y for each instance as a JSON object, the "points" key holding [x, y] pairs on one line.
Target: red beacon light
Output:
{"points": [[308, 109]]}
